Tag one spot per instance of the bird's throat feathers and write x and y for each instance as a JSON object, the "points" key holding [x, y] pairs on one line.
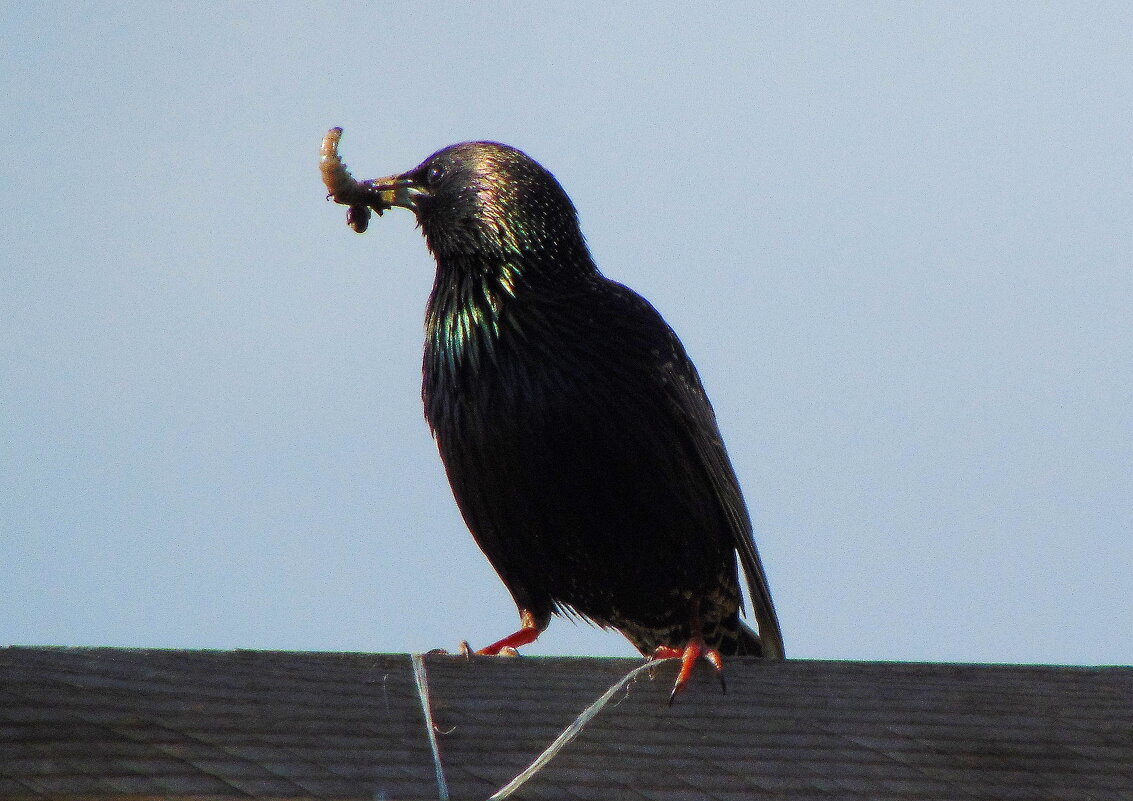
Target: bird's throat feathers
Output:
{"points": [[465, 312], [477, 299]]}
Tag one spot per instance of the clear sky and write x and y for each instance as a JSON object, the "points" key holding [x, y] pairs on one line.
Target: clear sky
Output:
{"points": [[896, 238]]}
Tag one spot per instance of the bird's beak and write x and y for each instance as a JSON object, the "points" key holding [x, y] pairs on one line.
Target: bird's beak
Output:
{"points": [[397, 190]]}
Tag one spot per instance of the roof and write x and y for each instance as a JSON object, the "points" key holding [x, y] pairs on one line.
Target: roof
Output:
{"points": [[105, 723]]}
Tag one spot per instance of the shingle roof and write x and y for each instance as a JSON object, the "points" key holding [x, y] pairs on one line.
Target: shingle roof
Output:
{"points": [[101, 723]]}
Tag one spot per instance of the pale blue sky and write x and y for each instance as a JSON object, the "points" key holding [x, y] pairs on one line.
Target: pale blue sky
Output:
{"points": [[897, 240]]}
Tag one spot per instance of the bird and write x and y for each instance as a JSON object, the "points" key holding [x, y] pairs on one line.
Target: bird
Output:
{"points": [[577, 437]]}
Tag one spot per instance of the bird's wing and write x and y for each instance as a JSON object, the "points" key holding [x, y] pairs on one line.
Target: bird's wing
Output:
{"points": [[698, 424]]}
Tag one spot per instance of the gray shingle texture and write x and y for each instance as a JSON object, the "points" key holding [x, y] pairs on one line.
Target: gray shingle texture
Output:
{"points": [[147, 724]]}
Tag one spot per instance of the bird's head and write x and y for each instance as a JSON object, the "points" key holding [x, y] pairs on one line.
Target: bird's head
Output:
{"points": [[480, 201]]}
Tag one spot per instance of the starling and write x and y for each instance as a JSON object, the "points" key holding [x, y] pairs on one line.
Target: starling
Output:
{"points": [[580, 445]]}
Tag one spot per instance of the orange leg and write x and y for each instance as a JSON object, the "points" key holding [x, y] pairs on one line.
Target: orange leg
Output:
{"points": [[529, 631], [689, 656]]}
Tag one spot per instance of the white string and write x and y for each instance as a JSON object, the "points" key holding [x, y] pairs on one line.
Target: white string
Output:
{"points": [[423, 693], [571, 731]]}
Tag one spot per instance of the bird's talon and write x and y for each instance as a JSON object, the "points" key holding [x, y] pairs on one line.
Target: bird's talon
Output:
{"points": [[507, 650], [465, 650], [689, 656], [678, 688], [717, 662]]}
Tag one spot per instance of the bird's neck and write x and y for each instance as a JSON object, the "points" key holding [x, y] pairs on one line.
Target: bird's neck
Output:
{"points": [[475, 302], [463, 318]]}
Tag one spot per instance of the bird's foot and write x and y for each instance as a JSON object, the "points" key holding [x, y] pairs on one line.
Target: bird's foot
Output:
{"points": [[530, 628], [508, 645], [689, 656], [465, 650]]}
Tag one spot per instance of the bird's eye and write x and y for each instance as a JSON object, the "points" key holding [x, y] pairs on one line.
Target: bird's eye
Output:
{"points": [[435, 173]]}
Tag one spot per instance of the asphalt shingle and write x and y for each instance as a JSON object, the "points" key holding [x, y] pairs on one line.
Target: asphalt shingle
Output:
{"points": [[102, 723]]}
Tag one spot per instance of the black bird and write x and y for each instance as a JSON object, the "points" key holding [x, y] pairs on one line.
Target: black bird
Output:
{"points": [[579, 442]]}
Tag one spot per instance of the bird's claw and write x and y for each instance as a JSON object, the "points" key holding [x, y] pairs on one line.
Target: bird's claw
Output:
{"points": [[689, 656], [466, 650]]}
